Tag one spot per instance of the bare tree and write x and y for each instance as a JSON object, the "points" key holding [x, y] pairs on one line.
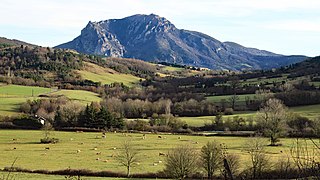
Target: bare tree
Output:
{"points": [[128, 156], [233, 100], [272, 119], [306, 158], [211, 158], [181, 162], [258, 159]]}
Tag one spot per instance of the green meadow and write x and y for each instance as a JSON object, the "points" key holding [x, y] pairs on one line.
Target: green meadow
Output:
{"points": [[90, 151], [97, 73], [12, 96], [35, 176]]}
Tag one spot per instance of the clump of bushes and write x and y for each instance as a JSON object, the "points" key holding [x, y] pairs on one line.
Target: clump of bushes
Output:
{"points": [[48, 140]]}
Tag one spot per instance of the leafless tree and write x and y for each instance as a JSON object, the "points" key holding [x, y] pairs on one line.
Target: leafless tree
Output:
{"points": [[181, 162], [272, 119], [305, 158], [233, 100], [259, 162], [128, 156], [211, 158]]}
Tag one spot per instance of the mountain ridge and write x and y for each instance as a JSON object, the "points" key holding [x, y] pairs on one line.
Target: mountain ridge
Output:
{"points": [[154, 38]]}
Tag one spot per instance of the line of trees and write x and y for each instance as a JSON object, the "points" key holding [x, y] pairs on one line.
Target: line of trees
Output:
{"points": [[184, 162]]}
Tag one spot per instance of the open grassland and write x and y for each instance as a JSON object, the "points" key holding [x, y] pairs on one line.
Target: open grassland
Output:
{"points": [[96, 153], [218, 99], [106, 75], [83, 97], [311, 111], [22, 91], [35, 176], [172, 69], [12, 96]]}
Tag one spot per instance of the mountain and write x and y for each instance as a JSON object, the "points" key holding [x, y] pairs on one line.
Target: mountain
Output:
{"points": [[154, 38]]}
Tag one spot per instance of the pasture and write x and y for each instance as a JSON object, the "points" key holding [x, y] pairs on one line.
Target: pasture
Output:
{"points": [[91, 151], [12, 96], [97, 73], [35, 176]]}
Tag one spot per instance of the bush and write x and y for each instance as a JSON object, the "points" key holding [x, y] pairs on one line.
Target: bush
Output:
{"points": [[27, 122], [49, 140], [228, 111]]}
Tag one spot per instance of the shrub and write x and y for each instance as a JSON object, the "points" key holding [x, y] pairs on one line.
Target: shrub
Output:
{"points": [[228, 111], [27, 122], [49, 140]]}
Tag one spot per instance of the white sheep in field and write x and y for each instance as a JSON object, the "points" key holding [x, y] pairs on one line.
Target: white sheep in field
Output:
{"points": [[78, 151]]}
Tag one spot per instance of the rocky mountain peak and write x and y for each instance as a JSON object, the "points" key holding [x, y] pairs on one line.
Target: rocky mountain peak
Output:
{"points": [[154, 38]]}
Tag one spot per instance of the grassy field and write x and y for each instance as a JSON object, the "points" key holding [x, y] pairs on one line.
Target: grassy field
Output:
{"points": [[311, 111], [34, 176], [218, 99], [202, 120], [11, 96], [22, 91], [172, 69], [32, 155], [107, 76], [83, 97]]}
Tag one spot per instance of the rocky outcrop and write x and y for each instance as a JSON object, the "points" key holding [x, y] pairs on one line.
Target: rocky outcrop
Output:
{"points": [[154, 38]]}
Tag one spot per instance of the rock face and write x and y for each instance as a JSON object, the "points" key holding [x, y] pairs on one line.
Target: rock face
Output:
{"points": [[154, 38]]}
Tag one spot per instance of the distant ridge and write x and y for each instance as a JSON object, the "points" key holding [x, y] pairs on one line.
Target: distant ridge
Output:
{"points": [[12, 42], [154, 38]]}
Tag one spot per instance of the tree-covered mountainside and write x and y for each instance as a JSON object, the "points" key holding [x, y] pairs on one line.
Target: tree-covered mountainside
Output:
{"points": [[39, 65], [4, 42]]}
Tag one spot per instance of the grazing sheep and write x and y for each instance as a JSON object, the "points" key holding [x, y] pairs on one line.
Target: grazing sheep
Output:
{"points": [[78, 151], [95, 149], [71, 139], [104, 136], [162, 154], [46, 148], [114, 148], [98, 153], [159, 161], [159, 137], [155, 164], [179, 137], [97, 159], [14, 148], [115, 132]]}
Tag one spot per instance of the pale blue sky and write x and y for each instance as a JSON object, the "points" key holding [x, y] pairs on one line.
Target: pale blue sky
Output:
{"points": [[280, 26]]}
